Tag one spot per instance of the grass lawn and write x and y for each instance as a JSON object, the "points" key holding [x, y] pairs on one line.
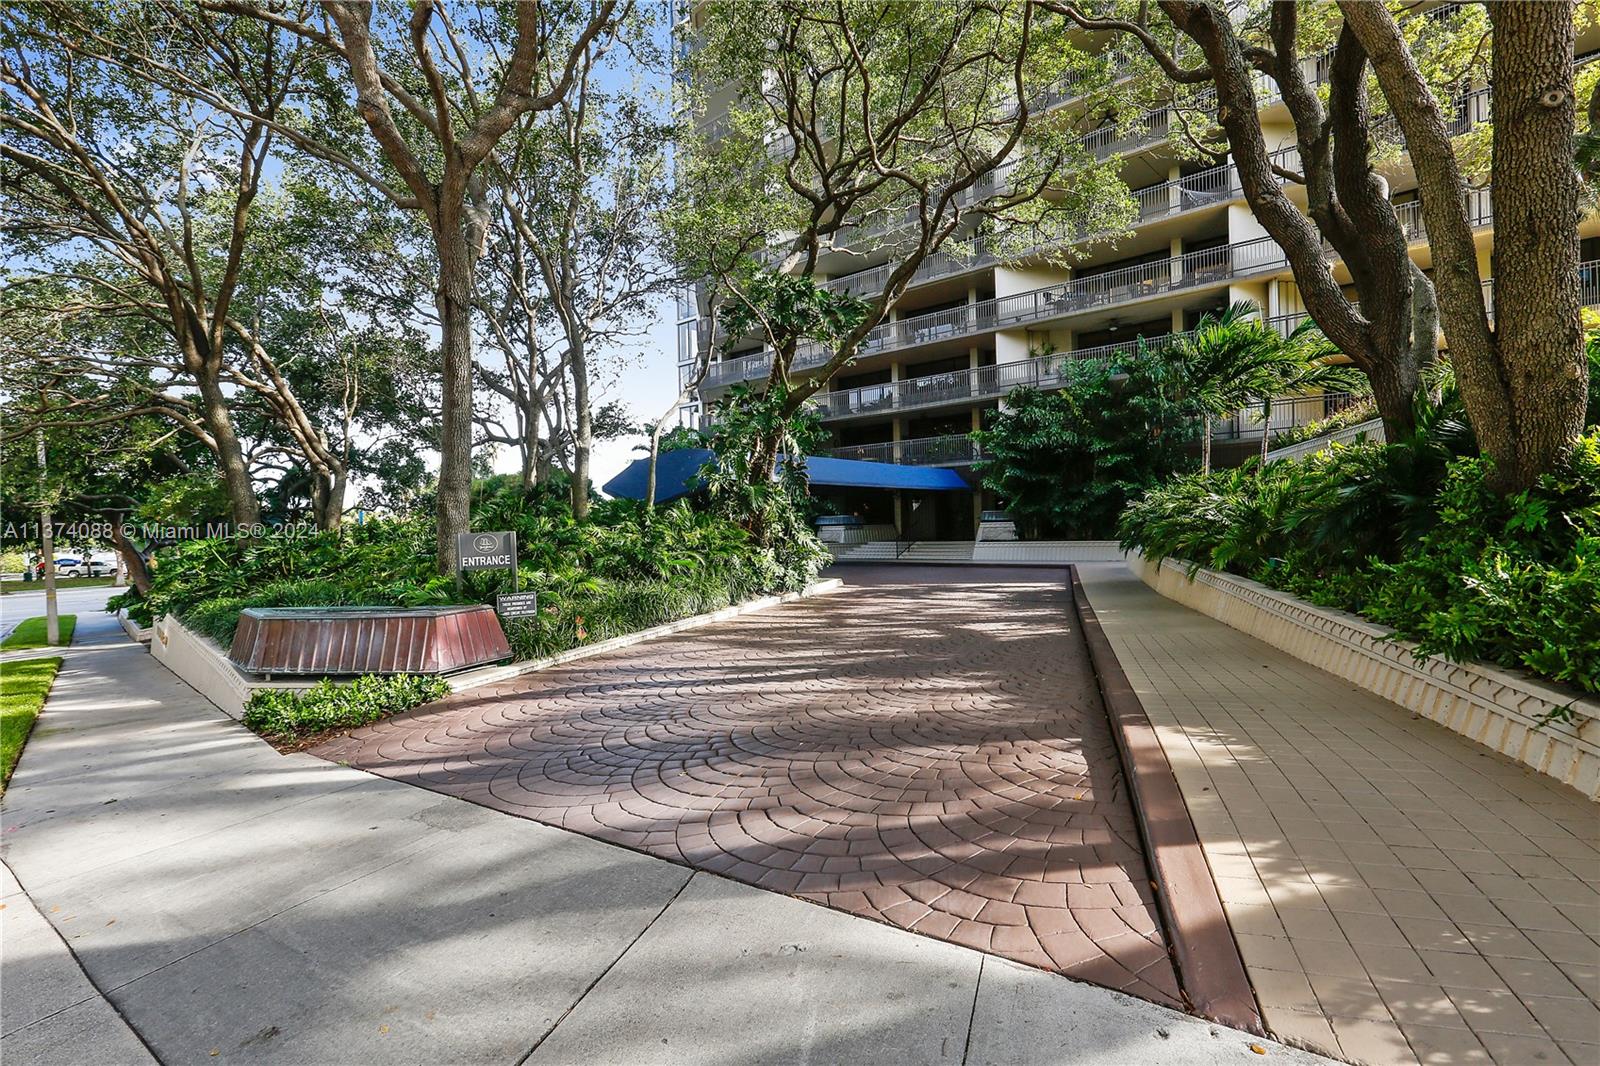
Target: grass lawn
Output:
{"points": [[8, 587], [23, 687], [30, 633]]}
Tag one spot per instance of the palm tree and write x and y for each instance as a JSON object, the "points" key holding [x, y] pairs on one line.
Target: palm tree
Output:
{"points": [[1233, 359], [1300, 365], [1220, 364]]}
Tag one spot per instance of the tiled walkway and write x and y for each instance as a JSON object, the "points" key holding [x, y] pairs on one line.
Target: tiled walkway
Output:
{"points": [[1399, 893], [926, 747]]}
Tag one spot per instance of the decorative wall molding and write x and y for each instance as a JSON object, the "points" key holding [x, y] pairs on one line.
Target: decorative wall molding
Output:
{"points": [[1507, 711]]}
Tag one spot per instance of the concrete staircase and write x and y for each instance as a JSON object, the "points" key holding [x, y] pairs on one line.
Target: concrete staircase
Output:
{"points": [[922, 551]]}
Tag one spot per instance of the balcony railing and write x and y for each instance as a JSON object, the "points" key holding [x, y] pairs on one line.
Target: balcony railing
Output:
{"points": [[1165, 200], [1287, 412], [955, 449]]}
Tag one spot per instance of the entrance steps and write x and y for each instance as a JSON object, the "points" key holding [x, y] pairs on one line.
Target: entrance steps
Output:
{"points": [[922, 551]]}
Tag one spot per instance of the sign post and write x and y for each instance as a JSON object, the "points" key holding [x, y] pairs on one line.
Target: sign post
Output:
{"points": [[496, 551]]}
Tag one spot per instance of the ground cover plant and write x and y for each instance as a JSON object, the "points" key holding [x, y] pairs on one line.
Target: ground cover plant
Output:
{"points": [[23, 688], [620, 570], [31, 633], [1412, 535], [286, 714]]}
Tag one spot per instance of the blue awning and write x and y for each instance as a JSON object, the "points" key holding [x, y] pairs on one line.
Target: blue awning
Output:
{"points": [[678, 474]]}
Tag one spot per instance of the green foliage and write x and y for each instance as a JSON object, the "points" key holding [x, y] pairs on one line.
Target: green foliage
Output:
{"points": [[682, 438], [30, 633], [1066, 463], [23, 688], [1358, 412], [618, 571], [1409, 535], [791, 307], [328, 705], [207, 582], [750, 486]]}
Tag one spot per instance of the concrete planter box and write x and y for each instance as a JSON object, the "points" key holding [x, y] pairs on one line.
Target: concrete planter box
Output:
{"points": [[205, 666], [1498, 708]]}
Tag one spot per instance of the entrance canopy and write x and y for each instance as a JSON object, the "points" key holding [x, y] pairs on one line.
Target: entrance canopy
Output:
{"points": [[678, 474]]}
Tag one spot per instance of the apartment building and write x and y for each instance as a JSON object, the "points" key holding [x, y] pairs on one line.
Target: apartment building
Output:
{"points": [[971, 328]]}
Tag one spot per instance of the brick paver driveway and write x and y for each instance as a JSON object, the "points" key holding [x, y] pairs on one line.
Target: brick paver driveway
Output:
{"points": [[926, 748]]}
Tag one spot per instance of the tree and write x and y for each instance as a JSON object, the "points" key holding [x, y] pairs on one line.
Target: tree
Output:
{"points": [[584, 186], [1233, 359], [861, 115], [437, 97], [1390, 331], [1067, 463], [1524, 379], [142, 199]]}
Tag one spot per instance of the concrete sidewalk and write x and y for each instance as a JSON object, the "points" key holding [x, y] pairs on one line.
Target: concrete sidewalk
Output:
{"points": [[1399, 893], [234, 904]]}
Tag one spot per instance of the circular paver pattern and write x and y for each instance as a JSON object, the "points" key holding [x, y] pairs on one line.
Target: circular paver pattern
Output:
{"points": [[926, 748]]}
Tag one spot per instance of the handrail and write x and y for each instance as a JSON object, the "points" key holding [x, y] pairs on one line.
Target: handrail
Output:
{"points": [[951, 449], [1168, 199], [1369, 428]]}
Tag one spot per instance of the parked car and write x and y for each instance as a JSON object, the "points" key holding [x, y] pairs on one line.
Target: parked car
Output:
{"points": [[94, 564]]}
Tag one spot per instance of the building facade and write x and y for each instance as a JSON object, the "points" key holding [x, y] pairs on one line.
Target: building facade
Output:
{"points": [[972, 327]]}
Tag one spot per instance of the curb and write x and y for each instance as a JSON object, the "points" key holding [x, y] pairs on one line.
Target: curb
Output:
{"points": [[1207, 958]]}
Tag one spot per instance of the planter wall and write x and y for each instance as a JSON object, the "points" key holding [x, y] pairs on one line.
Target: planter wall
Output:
{"points": [[1497, 708], [205, 666]]}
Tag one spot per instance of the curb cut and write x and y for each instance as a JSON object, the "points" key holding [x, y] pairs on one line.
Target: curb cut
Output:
{"points": [[1206, 956]]}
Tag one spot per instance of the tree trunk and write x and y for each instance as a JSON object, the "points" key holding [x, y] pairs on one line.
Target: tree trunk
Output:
{"points": [[1524, 382], [1538, 336], [138, 573], [1347, 203], [1266, 430], [582, 425], [327, 498], [650, 476], [454, 301], [242, 502], [1393, 395], [1205, 445]]}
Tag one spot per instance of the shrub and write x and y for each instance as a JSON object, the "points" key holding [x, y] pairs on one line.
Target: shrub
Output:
{"points": [[1066, 463], [1363, 410], [621, 566], [327, 705], [1412, 537]]}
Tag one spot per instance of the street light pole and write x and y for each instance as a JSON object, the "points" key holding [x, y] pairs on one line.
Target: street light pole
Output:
{"points": [[52, 623]]}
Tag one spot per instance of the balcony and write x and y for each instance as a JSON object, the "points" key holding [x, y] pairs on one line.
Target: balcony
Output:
{"points": [[1189, 271], [955, 449], [1193, 270], [1287, 412], [961, 387], [1168, 199]]}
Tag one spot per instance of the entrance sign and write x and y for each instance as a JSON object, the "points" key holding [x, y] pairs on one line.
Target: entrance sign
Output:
{"points": [[517, 604], [486, 551]]}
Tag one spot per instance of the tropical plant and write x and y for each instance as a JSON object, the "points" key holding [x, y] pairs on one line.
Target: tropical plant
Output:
{"points": [[757, 474], [1067, 462], [1233, 359], [285, 713], [1411, 535]]}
